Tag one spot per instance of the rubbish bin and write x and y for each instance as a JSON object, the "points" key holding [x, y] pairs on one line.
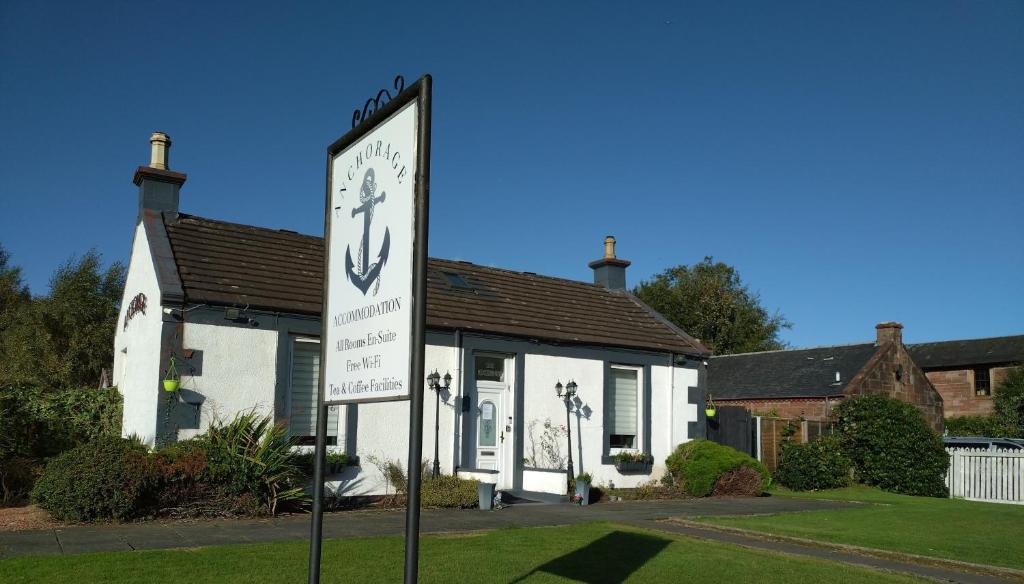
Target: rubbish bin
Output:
{"points": [[486, 493]]}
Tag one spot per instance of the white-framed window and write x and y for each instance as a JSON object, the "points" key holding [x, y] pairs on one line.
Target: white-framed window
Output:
{"points": [[622, 418], [302, 387]]}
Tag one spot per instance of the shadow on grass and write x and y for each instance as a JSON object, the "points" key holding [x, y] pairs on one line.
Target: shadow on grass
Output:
{"points": [[611, 558]]}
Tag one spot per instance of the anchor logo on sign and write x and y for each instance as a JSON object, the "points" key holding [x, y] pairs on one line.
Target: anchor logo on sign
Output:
{"points": [[364, 274]]}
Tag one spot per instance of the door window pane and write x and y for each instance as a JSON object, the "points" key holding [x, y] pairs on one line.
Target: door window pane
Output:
{"points": [[490, 368], [488, 423], [621, 421]]}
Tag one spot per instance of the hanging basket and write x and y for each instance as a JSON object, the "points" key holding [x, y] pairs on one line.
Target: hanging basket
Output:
{"points": [[709, 408], [171, 378]]}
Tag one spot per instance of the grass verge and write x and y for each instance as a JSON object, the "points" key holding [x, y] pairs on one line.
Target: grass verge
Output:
{"points": [[952, 529], [594, 553]]}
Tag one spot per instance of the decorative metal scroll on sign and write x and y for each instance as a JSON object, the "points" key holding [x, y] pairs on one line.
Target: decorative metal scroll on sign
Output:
{"points": [[374, 103]]}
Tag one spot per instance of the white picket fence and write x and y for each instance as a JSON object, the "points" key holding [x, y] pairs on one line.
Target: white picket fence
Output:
{"points": [[995, 476]]}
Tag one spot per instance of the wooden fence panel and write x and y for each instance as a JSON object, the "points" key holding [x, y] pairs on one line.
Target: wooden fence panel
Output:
{"points": [[996, 476]]}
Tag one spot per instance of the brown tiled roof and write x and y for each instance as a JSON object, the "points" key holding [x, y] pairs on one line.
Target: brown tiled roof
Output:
{"points": [[240, 265]]}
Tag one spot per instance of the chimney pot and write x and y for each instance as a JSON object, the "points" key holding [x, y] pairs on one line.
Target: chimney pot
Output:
{"points": [[609, 247], [161, 150], [158, 185], [888, 332], [610, 271]]}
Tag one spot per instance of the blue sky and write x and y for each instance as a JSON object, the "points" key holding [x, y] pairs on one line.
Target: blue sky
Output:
{"points": [[857, 162]]}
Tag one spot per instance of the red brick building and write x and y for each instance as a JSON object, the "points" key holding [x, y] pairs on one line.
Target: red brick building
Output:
{"points": [[966, 372], [808, 383]]}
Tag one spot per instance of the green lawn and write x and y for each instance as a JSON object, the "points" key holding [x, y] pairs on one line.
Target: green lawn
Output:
{"points": [[596, 552], [983, 533]]}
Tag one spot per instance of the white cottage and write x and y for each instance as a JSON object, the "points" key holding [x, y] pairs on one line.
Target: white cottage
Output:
{"points": [[237, 307]]}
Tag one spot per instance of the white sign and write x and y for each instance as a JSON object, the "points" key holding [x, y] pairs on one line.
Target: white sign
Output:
{"points": [[369, 313]]}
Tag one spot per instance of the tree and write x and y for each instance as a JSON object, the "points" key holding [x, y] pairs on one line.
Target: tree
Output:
{"points": [[15, 304], [65, 339], [1009, 400], [709, 301]]}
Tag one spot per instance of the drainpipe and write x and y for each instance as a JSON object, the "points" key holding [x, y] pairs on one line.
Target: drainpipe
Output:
{"points": [[457, 411], [671, 401]]}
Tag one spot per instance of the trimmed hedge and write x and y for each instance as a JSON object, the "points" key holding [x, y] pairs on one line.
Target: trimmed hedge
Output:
{"points": [[108, 478], [697, 466], [891, 446], [989, 426], [816, 465], [449, 492]]}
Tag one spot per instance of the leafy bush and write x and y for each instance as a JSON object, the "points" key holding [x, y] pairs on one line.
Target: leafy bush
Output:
{"points": [[698, 466], [816, 465], [993, 426], [17, 475], [108, 478], [449, 492], [253, 456], [891, 446], [1008, 400], [39, 423]]}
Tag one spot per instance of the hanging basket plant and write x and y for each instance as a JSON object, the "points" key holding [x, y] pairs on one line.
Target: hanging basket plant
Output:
{"points": [[171, 378], [709, 408]]}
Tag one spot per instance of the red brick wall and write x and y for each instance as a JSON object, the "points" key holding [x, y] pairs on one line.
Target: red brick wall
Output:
{"points": [[879, 377], [957, 391]]}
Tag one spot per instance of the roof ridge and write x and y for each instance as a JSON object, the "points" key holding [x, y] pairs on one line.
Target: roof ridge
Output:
{"points": [[966, 340], [795, 350], [526, 273], [486, 267], [247, 226]]}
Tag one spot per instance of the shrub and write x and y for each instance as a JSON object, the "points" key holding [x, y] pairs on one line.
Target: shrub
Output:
{"points": [[698, 466], [1008, 400], [449, 492], [816, 465], [993, 426], [107, 478], [891, 446], [253, 456], [39, 423], [17, 475]]}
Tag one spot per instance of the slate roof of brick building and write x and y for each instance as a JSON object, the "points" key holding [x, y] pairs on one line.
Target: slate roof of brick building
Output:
{"points": [[229, 264], [967, 352], [786, 374]]}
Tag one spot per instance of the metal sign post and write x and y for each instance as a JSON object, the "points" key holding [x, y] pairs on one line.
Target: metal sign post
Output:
{"points": [[375, 281]]}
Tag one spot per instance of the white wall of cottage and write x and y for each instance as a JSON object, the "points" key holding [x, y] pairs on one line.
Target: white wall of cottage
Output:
{"points": [[136, 372]]}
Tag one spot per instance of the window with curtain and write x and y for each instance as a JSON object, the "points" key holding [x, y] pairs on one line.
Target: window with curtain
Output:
{"points": [[305, 376], [621, 418]]}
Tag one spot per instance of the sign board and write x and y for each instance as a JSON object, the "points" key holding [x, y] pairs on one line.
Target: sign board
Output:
{"points": [[371, 227]]}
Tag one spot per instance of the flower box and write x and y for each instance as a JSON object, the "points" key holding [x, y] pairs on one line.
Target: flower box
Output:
{"points": [[633, 466]]}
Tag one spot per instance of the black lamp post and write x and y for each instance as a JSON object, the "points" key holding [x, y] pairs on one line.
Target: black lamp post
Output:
{"points": [[433, 382], [566, 396]]}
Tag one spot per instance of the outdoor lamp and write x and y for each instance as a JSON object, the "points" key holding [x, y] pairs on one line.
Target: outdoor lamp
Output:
{"points": [[433, 381], [566, 396]]}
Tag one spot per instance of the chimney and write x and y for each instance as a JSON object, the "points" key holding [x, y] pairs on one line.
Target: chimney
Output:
{"points": [[888, 332], [158, 184], [610, 271]]}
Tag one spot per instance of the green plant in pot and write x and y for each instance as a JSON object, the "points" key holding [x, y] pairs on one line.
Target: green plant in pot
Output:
{"points": [[582, 493], [171, 378], [336, 461]]}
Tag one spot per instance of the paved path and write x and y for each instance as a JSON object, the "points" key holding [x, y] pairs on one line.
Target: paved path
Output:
{"points": [[645, 514]]}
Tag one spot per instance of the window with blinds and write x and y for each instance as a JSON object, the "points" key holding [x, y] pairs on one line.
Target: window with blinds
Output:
{"points": [[305, 375], [621, 418]]}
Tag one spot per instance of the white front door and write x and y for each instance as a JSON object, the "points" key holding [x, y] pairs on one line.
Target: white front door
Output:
{"points": [[492, 410]]}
